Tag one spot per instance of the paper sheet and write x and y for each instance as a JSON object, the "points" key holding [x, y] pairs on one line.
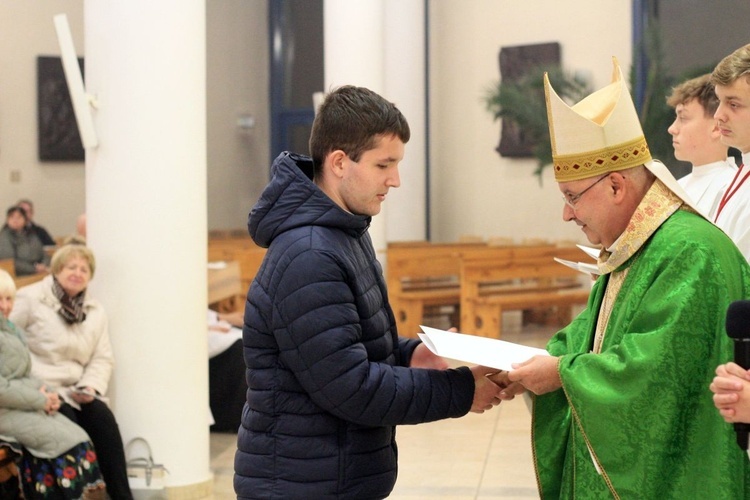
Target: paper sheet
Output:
{"points": [[590, 251], [580, 266], [477, 350]]}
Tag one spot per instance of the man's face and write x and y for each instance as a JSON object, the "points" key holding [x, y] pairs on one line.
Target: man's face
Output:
{"points": [[28, 209], [695, 136], [365, 184], [733, 114], [590, 211]]}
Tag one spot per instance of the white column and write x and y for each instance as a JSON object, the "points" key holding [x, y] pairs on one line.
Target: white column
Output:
{"points": [[353, 54], [404, 72], [146, 208], [379, 44]]}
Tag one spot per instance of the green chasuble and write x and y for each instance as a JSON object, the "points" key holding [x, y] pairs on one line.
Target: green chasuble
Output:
{"points": [[636, 419]]}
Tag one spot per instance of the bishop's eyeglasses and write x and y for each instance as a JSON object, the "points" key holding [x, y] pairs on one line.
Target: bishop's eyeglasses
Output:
{"points": [[571, 199]]}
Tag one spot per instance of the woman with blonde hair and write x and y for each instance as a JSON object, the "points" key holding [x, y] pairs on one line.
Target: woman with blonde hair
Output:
{"points": [[68, 337], [57, 458]]}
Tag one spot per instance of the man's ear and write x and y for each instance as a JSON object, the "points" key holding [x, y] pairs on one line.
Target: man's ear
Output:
{"points": [[337, 161], [617, 186]]}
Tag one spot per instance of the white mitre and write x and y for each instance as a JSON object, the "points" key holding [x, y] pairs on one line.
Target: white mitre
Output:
{"points": [[601, 134]]}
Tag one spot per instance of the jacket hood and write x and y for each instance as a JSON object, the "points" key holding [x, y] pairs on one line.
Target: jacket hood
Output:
{"points": [[291, 200]]}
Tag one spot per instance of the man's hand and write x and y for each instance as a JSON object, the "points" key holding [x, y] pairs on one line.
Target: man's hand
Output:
{"points": [[509, 389], [486, 392], [538, 374], [731, 388], [422, 357]]}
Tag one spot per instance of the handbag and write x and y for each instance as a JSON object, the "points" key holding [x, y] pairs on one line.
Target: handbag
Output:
{"points": [[147, 479]]}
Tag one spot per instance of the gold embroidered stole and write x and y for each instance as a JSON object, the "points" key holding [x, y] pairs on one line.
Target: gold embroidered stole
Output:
{"points": [[657, 206]]}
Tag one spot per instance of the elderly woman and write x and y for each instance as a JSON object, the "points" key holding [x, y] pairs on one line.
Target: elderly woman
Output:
{"points": [[71, 352], [21, 244], [57, 457]]}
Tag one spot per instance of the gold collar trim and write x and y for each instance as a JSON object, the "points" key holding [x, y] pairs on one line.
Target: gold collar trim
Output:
{"points": [[655, 208]]}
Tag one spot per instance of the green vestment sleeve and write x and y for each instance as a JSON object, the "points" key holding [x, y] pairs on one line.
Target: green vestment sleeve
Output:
{"points": [[641, 409]]}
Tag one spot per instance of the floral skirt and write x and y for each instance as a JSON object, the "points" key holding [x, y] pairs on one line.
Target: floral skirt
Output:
{"points": [[65, 477]]}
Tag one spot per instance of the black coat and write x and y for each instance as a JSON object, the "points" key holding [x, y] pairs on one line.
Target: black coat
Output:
{"points": [[327, 372]]}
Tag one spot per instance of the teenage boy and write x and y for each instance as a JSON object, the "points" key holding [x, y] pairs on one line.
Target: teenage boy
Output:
{"points": [[696, 139]]}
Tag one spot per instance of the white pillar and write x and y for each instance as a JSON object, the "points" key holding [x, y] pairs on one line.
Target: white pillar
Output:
{"points": [[146, 210], [379, 44], [405, 75]]}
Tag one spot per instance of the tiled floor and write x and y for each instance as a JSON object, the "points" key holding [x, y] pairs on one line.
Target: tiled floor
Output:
{"points": [[477, 457]]}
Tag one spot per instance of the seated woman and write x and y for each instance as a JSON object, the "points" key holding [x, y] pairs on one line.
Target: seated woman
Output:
{"points": [[57, 457], [70, 349], [21, 244], [227, 389]]}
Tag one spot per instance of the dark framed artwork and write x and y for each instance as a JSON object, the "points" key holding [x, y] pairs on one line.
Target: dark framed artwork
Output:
{"points": [[59, 139], [515, 62]]}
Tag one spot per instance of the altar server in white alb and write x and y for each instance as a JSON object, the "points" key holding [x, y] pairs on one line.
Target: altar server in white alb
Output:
{"points": [[731, 80], [696, 139]]}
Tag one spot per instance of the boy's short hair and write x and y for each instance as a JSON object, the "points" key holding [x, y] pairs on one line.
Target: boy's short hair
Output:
{"points": [[699, 88], [732, 67], [352, 119]]}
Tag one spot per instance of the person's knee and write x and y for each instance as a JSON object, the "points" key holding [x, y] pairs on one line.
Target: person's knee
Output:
{"points": [[98, 412]]}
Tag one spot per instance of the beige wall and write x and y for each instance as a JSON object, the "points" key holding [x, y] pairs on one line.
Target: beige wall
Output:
{"points": [[237, 65], [237, 72], [57, 188], [473, 189]]}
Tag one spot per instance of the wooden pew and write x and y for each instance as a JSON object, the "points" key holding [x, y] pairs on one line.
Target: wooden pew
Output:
{"points": [[225, 290], [242, 249], [8, 266], [21, 281], [518, 278], [422, 277]]}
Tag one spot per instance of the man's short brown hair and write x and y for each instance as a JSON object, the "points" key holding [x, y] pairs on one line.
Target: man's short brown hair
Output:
{"points": [[732, 67], [352, 119]]}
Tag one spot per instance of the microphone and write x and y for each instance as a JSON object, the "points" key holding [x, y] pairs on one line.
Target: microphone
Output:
{"points": [[738, 329]]}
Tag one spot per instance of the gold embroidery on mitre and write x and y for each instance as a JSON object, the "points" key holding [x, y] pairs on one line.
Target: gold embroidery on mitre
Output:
{"points": [[573, 167]]}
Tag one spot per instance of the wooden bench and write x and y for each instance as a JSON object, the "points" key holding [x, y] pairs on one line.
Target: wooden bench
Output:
{"points": [[225, 290], [423, 279], [519, 278], [20, 281], [241, 249]]}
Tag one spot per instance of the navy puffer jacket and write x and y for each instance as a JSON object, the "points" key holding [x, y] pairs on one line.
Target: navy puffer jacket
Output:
{"points": [[327, 373]]}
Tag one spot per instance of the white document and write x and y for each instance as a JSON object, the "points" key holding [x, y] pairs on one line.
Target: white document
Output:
{"points": [[583, 267], [590, 251], [477, 350]]}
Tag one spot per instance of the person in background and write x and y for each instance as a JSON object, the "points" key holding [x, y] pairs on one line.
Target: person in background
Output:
{"points": [[731, 80], [226, 371], [68, 338], [620, 407], [696, 139], [19, 243], [81, 225], [57, 458], [329, 377], [41, 232]]}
